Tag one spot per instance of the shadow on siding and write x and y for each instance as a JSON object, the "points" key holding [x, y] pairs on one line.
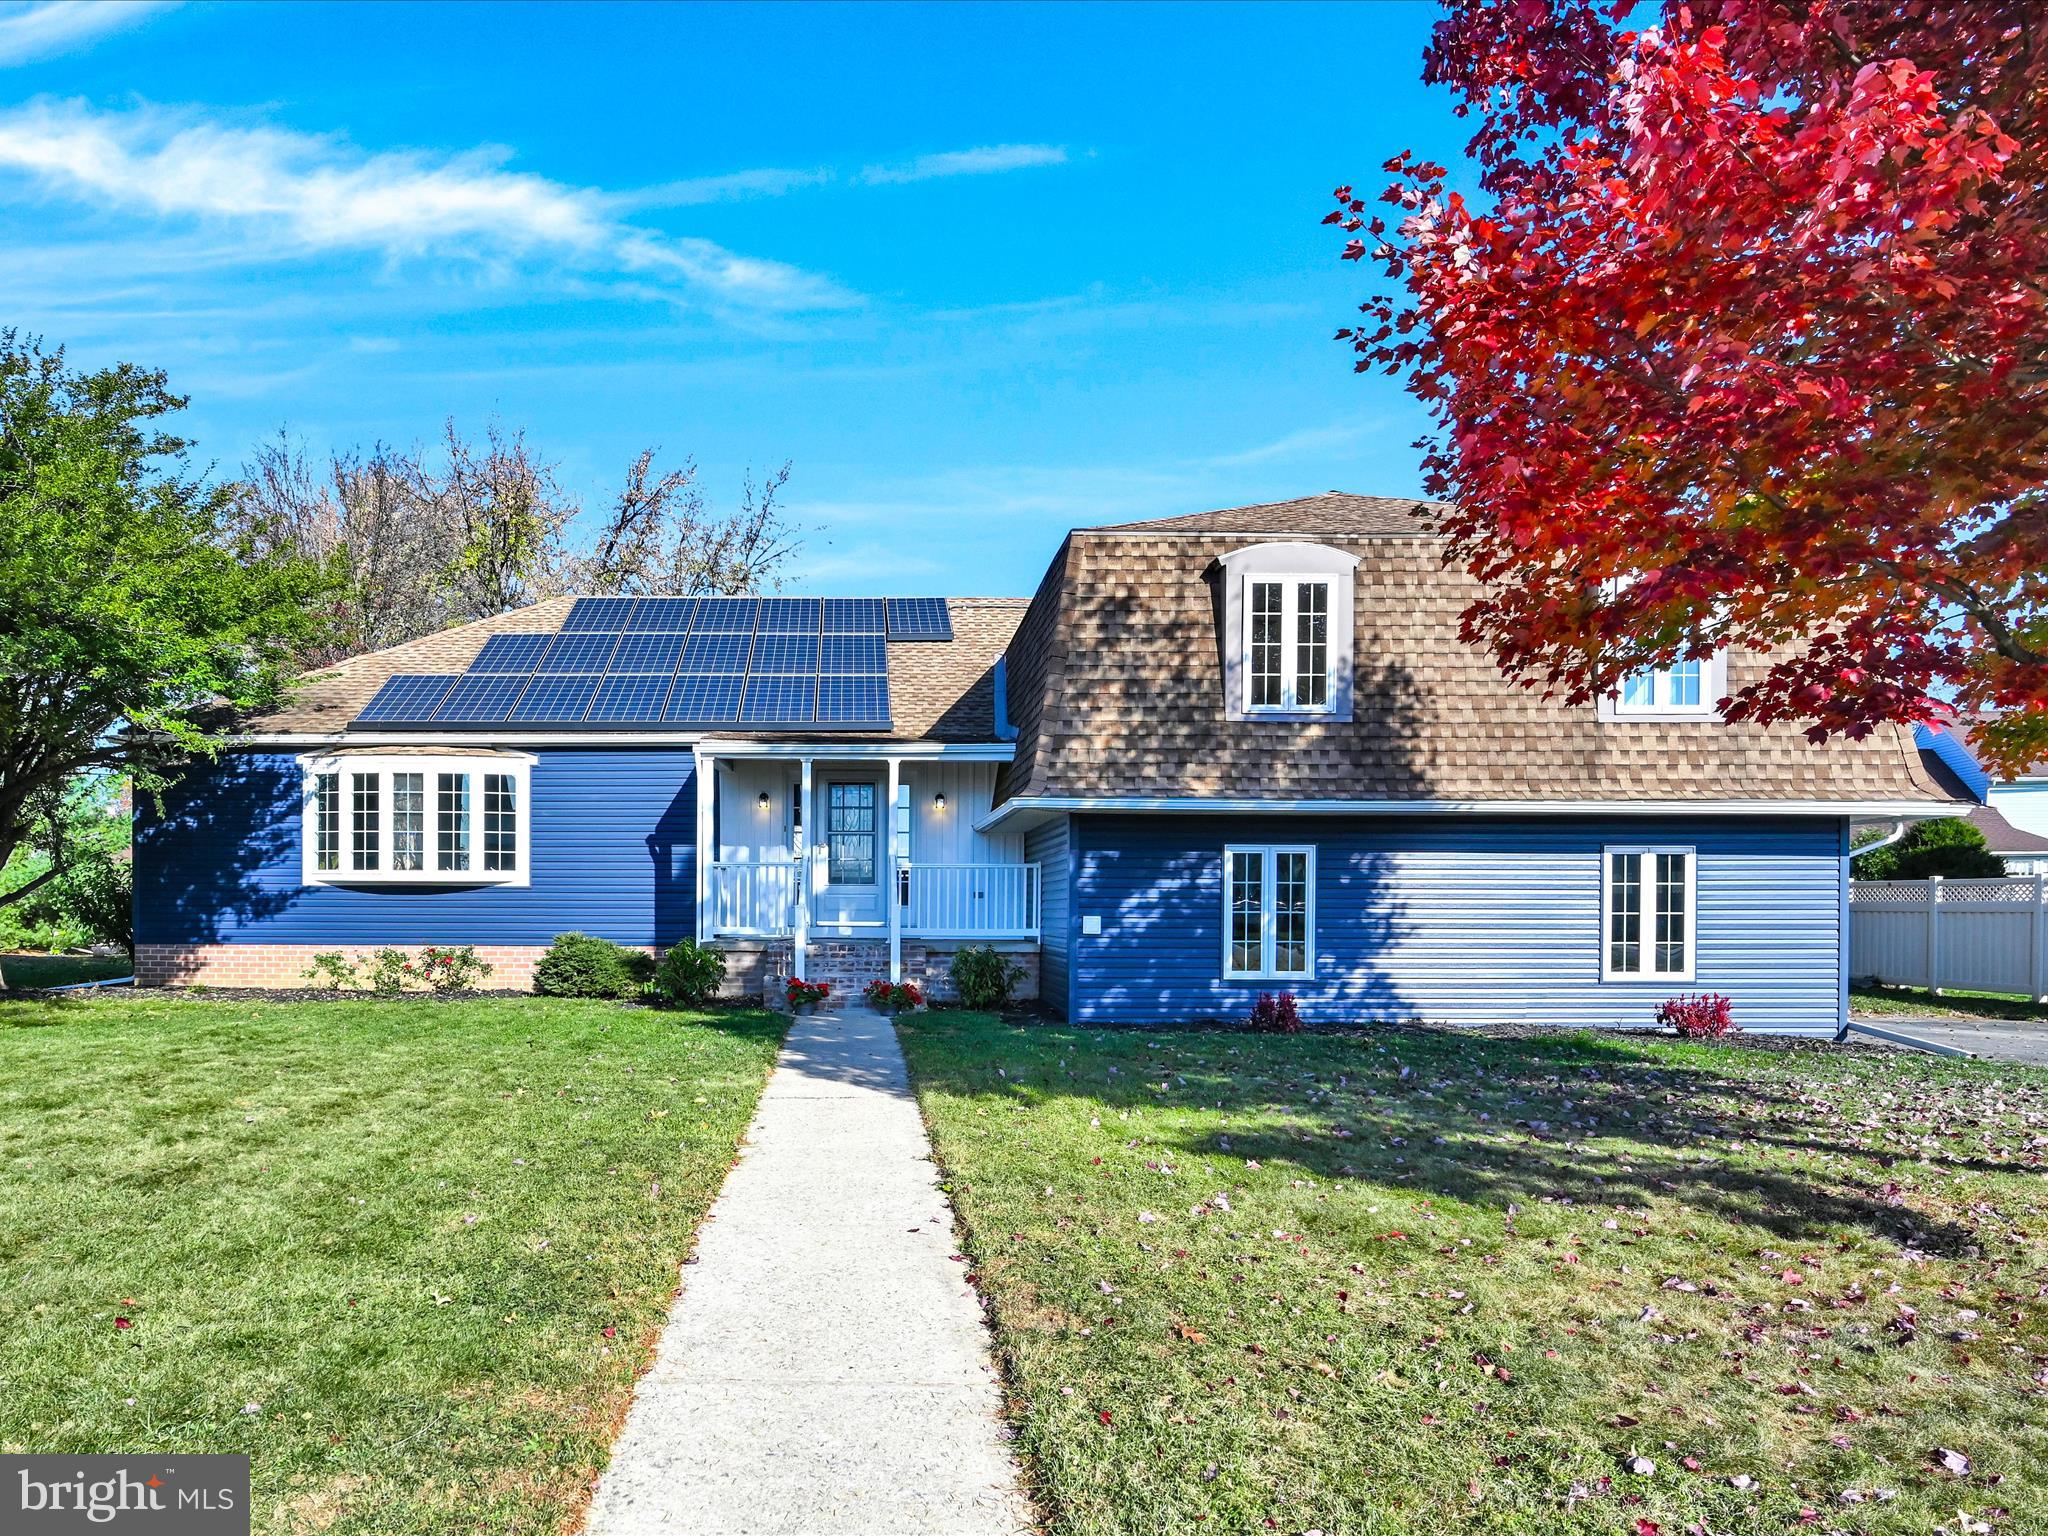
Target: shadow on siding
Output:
{"points": [[672, 846], [224, 853]]}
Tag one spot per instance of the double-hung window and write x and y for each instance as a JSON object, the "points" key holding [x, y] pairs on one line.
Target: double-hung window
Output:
{"points": [[1287, 643], [389, 818], [1647, 914], [1269, 912]]}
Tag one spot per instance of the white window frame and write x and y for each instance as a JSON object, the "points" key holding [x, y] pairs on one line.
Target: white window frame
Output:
{"points": [[1647, 941], [1713, 688], [1269, 853], [1290, 585], [516, 766]]}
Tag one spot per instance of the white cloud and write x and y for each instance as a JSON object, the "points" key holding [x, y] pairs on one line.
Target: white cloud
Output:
{"points": [[985, 161], [300, 193], [730, 188], [30, 32]]}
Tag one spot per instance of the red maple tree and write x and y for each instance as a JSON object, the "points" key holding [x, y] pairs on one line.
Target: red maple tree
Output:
{"points": [[1743, 341]]}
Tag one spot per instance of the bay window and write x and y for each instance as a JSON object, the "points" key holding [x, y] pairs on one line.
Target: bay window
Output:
{"points": [[1269, 911], [376, 818]]}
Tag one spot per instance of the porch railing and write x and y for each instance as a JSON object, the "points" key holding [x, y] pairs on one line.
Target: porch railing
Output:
{"points": [[952, 901], [970, 901], [754, 899]]}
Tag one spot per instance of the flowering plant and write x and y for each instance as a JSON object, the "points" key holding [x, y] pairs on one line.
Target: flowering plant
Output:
{"points": [[893, 997], [807, 994]]}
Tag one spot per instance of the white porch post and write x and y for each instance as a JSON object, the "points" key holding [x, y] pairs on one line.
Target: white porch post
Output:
{"points": [[707, 838], [899, 849], [801, 940]]}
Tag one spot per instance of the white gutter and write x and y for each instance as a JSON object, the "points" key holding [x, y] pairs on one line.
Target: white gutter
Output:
{"points": [[995, 752], [970, 751], [1898, 831], [1208, 805]]}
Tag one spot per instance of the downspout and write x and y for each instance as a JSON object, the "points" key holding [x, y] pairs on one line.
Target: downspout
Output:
{"points": [[1898, 831]]}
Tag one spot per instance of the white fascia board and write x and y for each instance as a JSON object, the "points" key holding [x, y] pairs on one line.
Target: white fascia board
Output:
{"points": [[968, 751], [1204, 805], [428, 740]]}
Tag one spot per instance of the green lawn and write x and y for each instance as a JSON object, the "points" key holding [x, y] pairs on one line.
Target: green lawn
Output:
{"points": [[407, 1255], [1912, 1002], [34, 970], [1421, 1282]]}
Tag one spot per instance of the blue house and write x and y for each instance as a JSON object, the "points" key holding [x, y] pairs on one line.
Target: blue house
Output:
{"points": [[1236, 752]]}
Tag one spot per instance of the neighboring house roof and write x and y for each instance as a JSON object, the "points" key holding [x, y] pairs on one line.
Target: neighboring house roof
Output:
{"points": [[1966, 732], [1115, 687], [938, 690], [1334, 514], [2001, 835]]}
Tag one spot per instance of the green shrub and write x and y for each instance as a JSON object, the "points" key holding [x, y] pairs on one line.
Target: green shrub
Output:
{"points": [[1951, 848], [452, 970], [984, 976], [390, 970], [689, 975], [334, 969], [578, 965]]}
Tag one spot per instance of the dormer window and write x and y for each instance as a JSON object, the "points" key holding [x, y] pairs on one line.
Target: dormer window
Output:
{"points": [[1287, 645], [1690, 689], [1287, 631]]}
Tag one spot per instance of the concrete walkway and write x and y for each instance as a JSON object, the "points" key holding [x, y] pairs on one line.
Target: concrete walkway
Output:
{"points": [[825, 1370], [2018, 1040]]}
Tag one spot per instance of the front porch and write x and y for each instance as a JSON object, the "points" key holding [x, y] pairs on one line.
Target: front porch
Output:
{"points": [[847, 862]]}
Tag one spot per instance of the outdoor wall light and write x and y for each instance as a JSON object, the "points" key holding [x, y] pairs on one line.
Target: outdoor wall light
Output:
{"points": [[762, 803], [939, 801]]}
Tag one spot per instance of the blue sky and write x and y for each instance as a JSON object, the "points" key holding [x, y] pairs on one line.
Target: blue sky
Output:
{"points": [[983, 274]]}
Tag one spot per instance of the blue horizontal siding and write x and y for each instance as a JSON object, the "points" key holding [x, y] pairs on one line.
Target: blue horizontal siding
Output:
{"points": [[1048, 846], [613, 849], [1456, 919]]}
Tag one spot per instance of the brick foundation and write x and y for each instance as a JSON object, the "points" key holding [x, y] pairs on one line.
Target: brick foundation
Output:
{"points": [[752, 969]]}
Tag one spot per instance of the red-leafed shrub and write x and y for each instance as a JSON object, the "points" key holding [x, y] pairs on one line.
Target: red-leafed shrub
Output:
{"points": [[1705, 1017], [1275, 1014]]}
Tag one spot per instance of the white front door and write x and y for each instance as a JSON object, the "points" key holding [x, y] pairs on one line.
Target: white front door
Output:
{"points": [[851, 814]]}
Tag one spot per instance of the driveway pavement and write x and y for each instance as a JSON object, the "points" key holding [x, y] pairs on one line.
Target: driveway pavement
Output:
{"points": [[2020, 1040], [825, 1369]]}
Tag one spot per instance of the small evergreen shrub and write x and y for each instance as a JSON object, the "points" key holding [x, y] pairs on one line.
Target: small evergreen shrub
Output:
{"points": [[1708, 1016], [333, 969], [984, 976], [451, 970], [579, 965], [1275, 1014], [689, 975]]}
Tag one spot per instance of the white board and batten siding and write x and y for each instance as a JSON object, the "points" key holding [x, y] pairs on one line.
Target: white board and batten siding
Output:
{"points": [[1955, 935]]}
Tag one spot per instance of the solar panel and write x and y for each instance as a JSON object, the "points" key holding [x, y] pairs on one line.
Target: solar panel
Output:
{"points": [[853, 700], [705, 699], [919, 618], [648, 653], [777, 700], [409, 696], [595, 613], [555, 698], [854, 653], [726, 614], [629, 697], [579, 653], [785, 653], [855, 616], [480, 698], [661, 615], [716, 653], [789, 615], [510, 653]]}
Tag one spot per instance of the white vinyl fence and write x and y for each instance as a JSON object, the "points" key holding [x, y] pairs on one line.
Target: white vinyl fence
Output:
{"points": [[1964, 935]]}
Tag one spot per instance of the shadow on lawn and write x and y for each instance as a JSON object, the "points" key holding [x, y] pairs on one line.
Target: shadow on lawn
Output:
{"points": [[1398, 1133]]}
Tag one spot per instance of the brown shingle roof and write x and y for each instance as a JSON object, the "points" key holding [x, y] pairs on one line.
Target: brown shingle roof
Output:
{"points": [[1116, 687], [1333, 514], [938, 690]]}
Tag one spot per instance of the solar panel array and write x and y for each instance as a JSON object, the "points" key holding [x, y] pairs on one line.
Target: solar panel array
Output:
{"points": [[784, 662]]}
